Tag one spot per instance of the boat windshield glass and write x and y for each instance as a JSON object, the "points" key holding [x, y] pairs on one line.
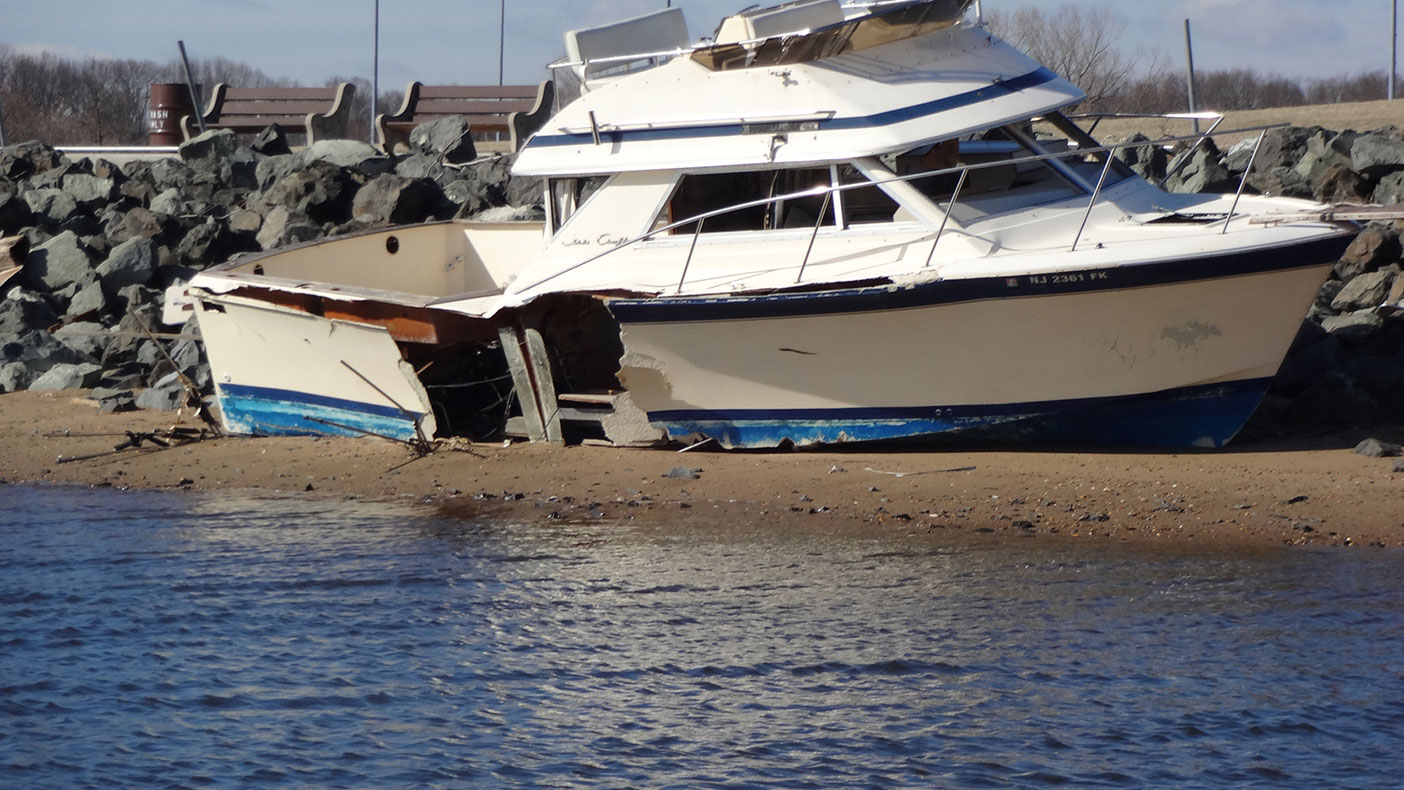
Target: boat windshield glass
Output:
{"points": [[1004, 177], [700, 193]]}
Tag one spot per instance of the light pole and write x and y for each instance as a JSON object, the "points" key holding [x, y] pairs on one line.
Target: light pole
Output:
{"points": [[1393, 46], [501, 39], [375, 70]]}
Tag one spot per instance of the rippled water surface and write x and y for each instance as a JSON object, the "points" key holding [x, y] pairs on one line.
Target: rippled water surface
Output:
{"points": [[164, 640]]}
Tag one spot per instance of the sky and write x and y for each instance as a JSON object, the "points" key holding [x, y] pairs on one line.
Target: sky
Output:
{"points": [[456, 41]]}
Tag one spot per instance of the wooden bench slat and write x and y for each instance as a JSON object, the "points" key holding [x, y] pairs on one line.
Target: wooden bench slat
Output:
{"points": [[270, 108], [477, 91], [446, 107], [323, 95], [475, 122]]}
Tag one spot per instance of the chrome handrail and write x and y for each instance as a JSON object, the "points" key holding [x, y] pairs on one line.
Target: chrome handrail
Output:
{"points": [[1243, 182], [821, 190]]}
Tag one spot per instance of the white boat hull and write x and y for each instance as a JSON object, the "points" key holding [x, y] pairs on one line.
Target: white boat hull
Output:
{"points": [[1159, 354]]}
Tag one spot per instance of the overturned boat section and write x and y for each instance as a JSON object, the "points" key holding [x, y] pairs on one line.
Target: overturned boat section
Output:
{"points": [[830, 222]]}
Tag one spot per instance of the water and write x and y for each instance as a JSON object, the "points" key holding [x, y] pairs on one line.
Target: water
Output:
{"points": [[167, 640]]}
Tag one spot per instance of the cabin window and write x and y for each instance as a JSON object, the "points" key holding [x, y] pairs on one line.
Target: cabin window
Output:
{"points": [[996, 181], [568, 195], [864, 205], [704, 193]]}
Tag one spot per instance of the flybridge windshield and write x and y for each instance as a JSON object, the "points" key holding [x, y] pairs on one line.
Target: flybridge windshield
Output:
{"points": [[842, 36]]}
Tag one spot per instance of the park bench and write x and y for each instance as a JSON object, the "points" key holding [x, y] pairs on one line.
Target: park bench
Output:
{"points": [[319, 113], [491, 111]]}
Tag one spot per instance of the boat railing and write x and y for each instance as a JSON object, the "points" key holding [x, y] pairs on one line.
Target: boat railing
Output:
{"points": [[962, 173]]}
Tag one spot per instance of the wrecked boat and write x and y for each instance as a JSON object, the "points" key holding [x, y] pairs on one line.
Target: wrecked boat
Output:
{"points": [[829, 222]]}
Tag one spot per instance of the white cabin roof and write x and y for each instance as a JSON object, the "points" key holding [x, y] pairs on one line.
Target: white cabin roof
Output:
{"points": [[684, 115]]}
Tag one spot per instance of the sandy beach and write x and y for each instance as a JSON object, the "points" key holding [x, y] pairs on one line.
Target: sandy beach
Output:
{"points": [[1310, 491]]}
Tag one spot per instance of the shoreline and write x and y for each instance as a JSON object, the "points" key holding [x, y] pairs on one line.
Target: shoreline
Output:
{"points": [[1308, 491]]}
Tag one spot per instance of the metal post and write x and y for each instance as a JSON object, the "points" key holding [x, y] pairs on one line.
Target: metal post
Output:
{"points": [[501, 39], [194, 89], [1243, 182], [690, 250], [375, 70], [950, 209], [1393, 46], [979, 13], [819, 223], [1189, 61], [1098, 191]]}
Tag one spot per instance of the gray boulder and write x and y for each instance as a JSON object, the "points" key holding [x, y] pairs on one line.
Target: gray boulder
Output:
{"points": [[1378, 245], [88, 191], [1341, 184], [15, 376], [130, 263], [56, 263], [172, 202], [1205, 172], [272, 141], [1367, 291], [1376, 155], [509, 214], [418, 165], [23, 310], [136, 223], [14, 210], [447, 139], [389, 199], [354, 154], [1390, 189], [1324, 150], [167, 395], [1374, 448], [84, 298], [114, 399], [1354, 328], [51, 207], [88, 338], [210, 146], [282, 228], [320, 191], [68, 377]]}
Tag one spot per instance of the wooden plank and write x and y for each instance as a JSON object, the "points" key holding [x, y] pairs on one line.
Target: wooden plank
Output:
{"points": [[477, 92], [545, 386], [252, 123], [327, 95], [601, 398], [273, 108], [461, 107], [521, 381]]}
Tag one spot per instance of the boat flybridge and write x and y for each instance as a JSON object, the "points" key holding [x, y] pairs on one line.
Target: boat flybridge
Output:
{"points": [[828, 222]]}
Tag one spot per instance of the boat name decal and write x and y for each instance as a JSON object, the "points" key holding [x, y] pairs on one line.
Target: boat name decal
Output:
{"points": [[782, 126], [605, 240]]}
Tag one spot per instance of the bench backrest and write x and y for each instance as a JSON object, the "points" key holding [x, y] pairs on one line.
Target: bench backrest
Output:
{"points": [[481, 105], [318, 112]]}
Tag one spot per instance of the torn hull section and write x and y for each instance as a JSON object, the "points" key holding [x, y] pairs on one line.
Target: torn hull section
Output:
{"points": [[1206, 416], [266, 411], [280, 371]]}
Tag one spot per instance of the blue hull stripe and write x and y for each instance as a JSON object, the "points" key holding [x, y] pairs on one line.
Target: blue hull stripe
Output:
{"points": [[902, 114], [267, 411], [666, 310], [1195, 416]]}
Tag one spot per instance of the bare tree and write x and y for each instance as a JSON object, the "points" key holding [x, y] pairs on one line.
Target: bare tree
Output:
{"points": [[1077, 42]]}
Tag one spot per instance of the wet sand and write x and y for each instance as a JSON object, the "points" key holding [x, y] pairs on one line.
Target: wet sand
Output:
{"points": [[1311, 491]]}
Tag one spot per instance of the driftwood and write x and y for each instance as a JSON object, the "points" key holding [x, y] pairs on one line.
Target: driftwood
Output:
{"points": [[12, 252]]}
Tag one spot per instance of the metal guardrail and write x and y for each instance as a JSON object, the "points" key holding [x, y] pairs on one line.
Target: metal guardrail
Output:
{"points": [[962, 170]]}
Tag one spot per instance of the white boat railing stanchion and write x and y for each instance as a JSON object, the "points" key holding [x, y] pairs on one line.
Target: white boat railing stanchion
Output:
{"points": [[691, 249], [819, 223], [946, 217], [1096, 193], [1243, 182]]}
